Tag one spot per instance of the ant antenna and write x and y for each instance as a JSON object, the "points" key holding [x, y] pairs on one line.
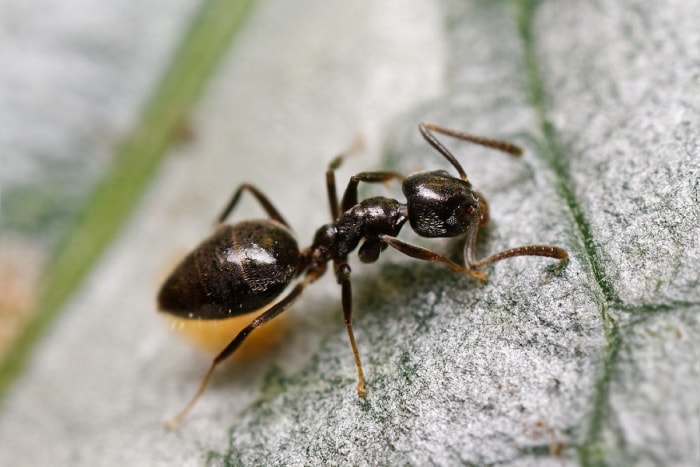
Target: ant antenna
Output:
{"points": [[426, 130]]}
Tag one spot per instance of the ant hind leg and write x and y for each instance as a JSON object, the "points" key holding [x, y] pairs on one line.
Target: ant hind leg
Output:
{"points": [[334, 165], [262, 199], [231, 348]]}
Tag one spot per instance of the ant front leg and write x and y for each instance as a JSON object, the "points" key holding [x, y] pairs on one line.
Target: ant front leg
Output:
{"points": [[262, 199], [529, 250], [547, 251], [343, 277], [417, 252]]}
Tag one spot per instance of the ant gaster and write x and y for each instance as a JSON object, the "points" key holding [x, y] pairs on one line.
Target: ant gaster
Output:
{"points": [[245, 266]]}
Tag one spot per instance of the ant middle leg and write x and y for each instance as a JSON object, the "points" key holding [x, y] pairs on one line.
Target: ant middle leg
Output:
{"points": [[350, 195], [262, 199], [343, 277]]}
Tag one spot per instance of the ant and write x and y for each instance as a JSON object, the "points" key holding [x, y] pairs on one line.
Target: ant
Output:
{"points": [[245, 266]]}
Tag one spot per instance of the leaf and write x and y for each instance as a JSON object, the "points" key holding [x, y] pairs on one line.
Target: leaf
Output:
{"points": [[595, 362], [539, 362]]}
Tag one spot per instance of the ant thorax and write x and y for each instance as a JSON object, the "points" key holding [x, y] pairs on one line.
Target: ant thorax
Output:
{"points": [[368, 219]]}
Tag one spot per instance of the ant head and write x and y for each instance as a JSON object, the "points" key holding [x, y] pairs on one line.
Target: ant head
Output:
{"points": [[440, 205]]}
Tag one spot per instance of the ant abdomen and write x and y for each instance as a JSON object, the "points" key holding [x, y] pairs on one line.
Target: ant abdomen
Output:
{"points": [[238, 269]]}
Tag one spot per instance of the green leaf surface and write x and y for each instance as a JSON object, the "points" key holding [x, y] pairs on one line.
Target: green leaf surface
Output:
{"points": [[590, 363]]}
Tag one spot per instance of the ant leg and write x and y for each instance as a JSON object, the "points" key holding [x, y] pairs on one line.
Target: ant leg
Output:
{"points": [[350, 195], [427, 129], [343, 276], [330, 185], [529, 250], [269, 314], [421, 253], [337, 161], [262, 199]]}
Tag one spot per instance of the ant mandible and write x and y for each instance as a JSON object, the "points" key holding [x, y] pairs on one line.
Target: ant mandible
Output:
{"points": [[245, 266]]}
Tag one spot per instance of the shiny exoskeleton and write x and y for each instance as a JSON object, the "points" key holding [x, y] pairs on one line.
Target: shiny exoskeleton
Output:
{"points": [[245, 266]]}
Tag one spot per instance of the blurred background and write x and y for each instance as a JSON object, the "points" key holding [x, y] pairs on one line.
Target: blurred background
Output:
{"points": [[75, 79]]}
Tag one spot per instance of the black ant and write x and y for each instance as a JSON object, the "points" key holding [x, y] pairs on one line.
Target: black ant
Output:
{"points": [[245, 266]]}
